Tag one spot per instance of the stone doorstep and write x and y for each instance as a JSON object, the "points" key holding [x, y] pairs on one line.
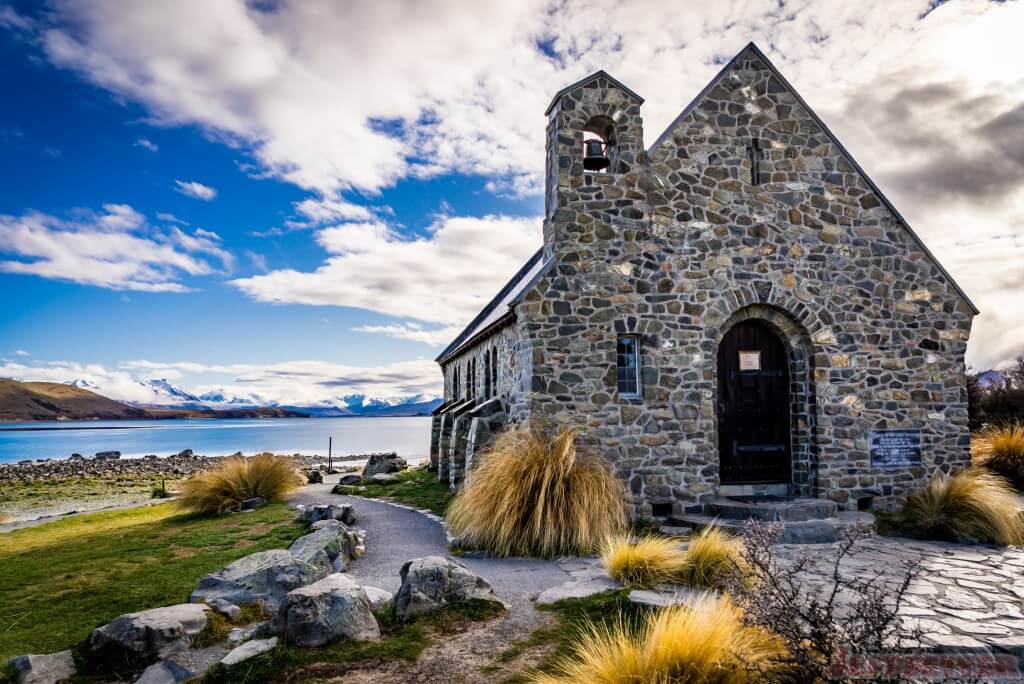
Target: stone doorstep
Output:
{"points": [[795, 510], [822, 531]]}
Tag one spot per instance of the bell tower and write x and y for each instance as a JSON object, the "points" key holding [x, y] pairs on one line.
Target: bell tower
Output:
{"points": [[594, 135]]}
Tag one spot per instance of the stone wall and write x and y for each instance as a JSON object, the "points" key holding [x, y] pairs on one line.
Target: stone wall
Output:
{"points": [[682, 245]]}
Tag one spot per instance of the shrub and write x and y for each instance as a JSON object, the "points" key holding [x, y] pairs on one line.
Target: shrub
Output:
{"points": [[713, 559], [237, 479], [706, 643], [969, 506], [642, 564], [1000, 450], [532, 496]]}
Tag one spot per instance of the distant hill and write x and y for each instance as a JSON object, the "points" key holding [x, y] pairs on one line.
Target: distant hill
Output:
{"points": [[30, 401]]}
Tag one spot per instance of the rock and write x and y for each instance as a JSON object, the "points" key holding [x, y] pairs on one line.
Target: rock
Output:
{"points": [[382, 478], [185, 453], [433, 582], [76, 457], [107, 455], [378, 597], [239, 635], [262, 578], [149, 634], [350, 479], [313, 514], [314, 476], [383, 463], [43, 669], [225, 608], [336, 606], [164, 672], [249, 649], [322, 547], [253, 503], [150, 457], [577, 589]]}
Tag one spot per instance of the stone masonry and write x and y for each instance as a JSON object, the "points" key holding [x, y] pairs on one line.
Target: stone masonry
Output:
{"points": [[679, 242]]}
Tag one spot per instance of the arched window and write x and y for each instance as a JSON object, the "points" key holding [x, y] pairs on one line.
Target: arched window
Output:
{"points": [[487, 374], [494, 369], [600, 152]]}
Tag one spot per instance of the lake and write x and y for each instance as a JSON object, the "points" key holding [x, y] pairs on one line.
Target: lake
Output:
{"points": [[410, 437]]}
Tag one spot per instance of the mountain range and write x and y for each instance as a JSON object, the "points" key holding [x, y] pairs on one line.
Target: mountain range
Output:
{"points": [[164, 395]]}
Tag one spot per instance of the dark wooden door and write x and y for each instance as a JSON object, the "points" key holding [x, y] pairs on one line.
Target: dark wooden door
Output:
{"points": [[753, 405]]}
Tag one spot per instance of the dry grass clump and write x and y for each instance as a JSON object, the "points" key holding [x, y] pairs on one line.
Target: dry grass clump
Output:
{"points": [[971, 505], [237, 479], [644, 563], [1000, 450], [706, 643], [534, 496], [713, 559]]}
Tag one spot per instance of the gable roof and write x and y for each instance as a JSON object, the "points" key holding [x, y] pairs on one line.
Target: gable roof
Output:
{"points": [[751, 47], [587, 79], [499, 308]]}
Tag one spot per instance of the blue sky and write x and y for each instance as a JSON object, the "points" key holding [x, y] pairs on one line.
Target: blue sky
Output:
{"points": [[247, 197]]}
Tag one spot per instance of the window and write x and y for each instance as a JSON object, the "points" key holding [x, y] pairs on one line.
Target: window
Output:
{"points": [[627, 362], [455, 383], [487, 375], [494, 369], [755, 153], [469, 380]]}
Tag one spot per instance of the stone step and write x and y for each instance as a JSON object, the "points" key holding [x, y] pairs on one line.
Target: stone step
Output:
{"points": [[791, 510], [821, 531]]}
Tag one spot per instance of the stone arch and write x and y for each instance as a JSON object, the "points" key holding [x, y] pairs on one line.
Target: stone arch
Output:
{"points": [[791, 326]]}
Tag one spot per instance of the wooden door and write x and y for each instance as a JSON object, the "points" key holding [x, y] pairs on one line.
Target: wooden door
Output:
{"points": [[753, 405]]}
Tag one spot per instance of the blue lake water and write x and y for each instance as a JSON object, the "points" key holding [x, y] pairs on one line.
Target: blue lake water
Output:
{"points": [[410, 437]]}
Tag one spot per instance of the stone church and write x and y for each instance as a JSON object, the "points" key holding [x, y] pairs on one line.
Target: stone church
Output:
{"points": [[735, 310]]}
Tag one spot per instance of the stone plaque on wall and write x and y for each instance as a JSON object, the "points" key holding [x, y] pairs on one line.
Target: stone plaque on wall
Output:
{"points": [[894, 448]]}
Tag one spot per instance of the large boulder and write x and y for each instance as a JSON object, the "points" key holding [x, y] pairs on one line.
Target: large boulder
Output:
{"points": [[43, 669], [261, 578], [333, 607], [432, 582], [331, 546], [383, 463], [378, 597], [314, 514], [146, 635], [350, 479]]}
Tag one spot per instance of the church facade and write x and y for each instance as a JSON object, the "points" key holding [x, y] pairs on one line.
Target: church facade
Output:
{"points": [[734, 310]]}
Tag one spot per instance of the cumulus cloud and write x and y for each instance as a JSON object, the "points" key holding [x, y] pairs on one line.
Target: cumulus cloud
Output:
{"points": [[445, 276], [195, 189], [115, 248]]}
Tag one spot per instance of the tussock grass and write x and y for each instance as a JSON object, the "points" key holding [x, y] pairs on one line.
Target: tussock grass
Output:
{"points": [[1000, 450], [971, 505], [237, 479], [706, 643], [643, 563], [534, 496], [713, 559]]}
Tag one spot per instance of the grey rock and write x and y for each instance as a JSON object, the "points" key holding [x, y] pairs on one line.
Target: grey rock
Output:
{"points": [[225, 608], [378, 597], [164, 672], [321, 547], [187, 453], [148, 634], [314, 476], [382, 478], [350, 479], [107, 455], [43, 669], [333, 607], [383, 463], [314, 514], [432, 582], [262, 578], [248, 650], [577, 589]]}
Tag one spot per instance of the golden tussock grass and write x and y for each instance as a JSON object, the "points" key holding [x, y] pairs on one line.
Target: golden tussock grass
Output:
{"points": [[713, 559], [706, 643], [643, 563], [1000, 449], [238, 478], [971, 505], [535, 496]]}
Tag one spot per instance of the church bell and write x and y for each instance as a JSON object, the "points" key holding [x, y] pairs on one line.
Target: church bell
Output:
{"points": [[595, 156]]}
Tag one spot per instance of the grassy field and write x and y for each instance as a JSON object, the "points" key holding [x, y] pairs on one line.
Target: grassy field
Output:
{"points": [[412, 487], [62, 579]]}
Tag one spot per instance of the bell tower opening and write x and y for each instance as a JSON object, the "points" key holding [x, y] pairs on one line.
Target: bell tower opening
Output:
{"points": [[600, 151]]}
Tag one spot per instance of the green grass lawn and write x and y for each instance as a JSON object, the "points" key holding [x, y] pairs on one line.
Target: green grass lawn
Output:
{"points": [[62, 579], [413, 487]]}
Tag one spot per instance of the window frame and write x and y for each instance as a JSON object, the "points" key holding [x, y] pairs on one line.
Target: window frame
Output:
{"points": [[637, 366]]}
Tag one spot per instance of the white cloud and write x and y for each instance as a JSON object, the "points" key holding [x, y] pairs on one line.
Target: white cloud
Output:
{"points": [[414, 333], [195, 189], [445, 277], [115, 248], [147, 144], [320, 210], [21, 352]]}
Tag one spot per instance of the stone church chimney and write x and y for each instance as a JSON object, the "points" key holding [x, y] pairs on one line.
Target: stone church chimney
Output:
{"points": [[596, 108]]}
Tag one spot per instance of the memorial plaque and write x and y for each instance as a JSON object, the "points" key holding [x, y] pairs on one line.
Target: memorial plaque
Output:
{"points": [[750, 360], [895, 448]]}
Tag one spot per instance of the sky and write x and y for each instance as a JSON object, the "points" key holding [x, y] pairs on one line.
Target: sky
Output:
{"points": [[307, 200]]}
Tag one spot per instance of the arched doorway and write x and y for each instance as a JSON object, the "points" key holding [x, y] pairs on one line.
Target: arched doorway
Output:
{"points": [[754, 427]]}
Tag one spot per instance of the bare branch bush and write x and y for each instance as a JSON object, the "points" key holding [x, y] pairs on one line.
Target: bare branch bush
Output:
{"points": [[823, 615]]}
